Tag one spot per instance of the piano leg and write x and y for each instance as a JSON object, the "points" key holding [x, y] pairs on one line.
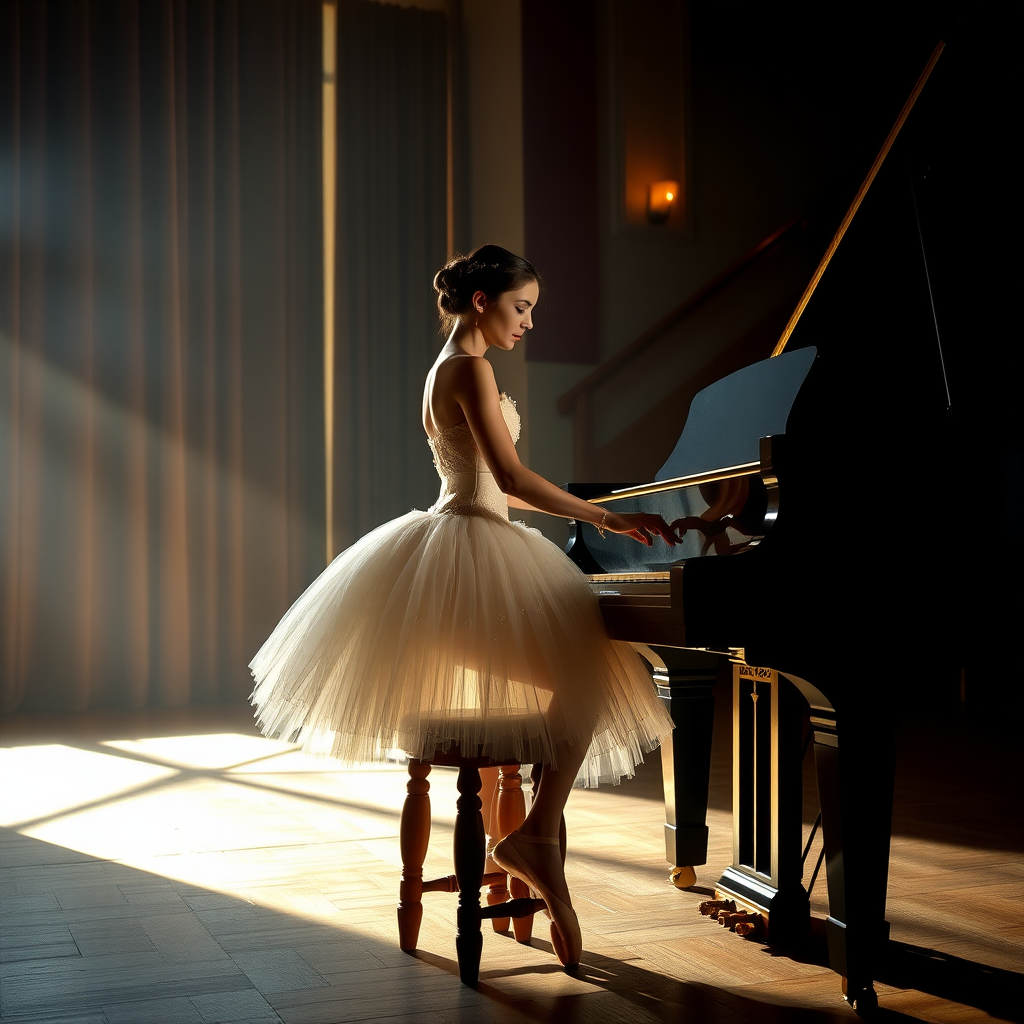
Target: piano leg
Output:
{"points": [[767, 865], [686, 682], [855, 760]]}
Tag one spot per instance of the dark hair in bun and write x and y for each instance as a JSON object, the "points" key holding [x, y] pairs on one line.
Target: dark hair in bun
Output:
{"points": [[489, 269]]}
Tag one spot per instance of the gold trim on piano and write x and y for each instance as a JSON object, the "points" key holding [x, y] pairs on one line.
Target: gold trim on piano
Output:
{"points": [[693, 480], [628, 577]]}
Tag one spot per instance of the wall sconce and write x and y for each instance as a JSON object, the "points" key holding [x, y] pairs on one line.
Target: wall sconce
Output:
{"points": [[660, 197]]}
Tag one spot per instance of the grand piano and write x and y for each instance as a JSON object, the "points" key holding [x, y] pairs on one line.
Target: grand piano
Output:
{"points": [[802, 483]]}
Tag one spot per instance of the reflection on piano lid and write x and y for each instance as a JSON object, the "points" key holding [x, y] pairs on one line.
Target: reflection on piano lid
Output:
{"points": [[724, 510]]}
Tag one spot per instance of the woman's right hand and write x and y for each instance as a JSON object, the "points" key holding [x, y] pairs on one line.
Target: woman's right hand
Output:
{"points": [[641, 526]]}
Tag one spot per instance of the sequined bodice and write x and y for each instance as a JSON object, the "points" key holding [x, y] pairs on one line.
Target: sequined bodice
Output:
{"points": [[467, 485]]}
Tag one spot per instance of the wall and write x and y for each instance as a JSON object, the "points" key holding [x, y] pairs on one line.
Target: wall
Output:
{"points": [[493, 147]]}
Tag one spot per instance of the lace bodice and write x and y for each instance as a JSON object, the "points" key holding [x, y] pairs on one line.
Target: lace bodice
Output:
{"points": [[467, 485]]}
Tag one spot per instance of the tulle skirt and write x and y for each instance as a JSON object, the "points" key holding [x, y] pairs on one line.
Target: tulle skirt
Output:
{"points": [[442, 629]]}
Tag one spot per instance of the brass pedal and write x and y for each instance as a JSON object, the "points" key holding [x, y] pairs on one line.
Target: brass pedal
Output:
{"points": [[713, 908], [744, 923]]}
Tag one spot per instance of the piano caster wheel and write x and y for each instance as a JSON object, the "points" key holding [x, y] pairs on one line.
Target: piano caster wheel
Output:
{"points": [[861, 997], [683, 877]]}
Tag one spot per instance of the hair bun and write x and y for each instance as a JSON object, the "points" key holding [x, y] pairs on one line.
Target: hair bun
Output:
{"points": [[446, 284], [489, 269]]}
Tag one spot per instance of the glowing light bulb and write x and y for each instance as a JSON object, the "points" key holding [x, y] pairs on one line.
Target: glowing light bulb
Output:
{"points": [[659, 200]]}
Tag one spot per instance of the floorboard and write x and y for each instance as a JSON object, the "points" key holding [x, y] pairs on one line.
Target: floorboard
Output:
{"points": [[177, 867]]}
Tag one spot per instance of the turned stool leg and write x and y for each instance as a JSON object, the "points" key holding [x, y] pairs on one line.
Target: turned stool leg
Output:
{"points": [[469, 870], [511, 812], [496, 881], [414, 833]]}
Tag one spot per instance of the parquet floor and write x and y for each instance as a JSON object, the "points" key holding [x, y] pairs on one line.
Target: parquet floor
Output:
{"points": [[176, 868]]}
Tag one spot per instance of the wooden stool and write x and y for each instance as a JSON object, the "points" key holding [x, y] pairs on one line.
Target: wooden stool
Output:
{"points": [[470, 855]]}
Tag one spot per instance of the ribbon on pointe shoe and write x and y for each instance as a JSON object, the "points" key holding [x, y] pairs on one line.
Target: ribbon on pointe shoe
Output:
{"points": [[489, 866]]}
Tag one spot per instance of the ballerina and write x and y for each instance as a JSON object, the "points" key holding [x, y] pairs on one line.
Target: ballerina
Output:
{"points": [[455, 627]]}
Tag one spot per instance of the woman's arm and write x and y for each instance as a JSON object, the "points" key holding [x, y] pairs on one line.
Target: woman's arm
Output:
{"points": [[473, 387], [522, 506]]}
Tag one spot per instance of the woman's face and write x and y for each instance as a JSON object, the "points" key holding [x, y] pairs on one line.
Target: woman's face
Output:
{"points": [[504, 320]]}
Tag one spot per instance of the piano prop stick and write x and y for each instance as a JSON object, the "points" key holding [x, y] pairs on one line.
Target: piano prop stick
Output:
{"points": [[858, 198], [771, 577]]}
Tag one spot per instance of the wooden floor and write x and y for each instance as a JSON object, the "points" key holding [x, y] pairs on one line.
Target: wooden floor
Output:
{"points": [[176, 867]]}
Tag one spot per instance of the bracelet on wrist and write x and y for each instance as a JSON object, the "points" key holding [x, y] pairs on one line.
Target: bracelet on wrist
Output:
{"points": [[600, 527]]}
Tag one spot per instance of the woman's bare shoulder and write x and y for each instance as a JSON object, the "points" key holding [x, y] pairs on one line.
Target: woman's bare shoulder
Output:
{"points": [[464, 368], [465, 378], [456, 383]]}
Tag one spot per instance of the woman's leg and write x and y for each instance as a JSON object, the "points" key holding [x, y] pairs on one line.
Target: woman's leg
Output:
{"points": [[545, 820], [545, 815], [533, 852]]}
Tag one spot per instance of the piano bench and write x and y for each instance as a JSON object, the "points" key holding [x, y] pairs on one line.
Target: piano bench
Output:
{"points": [[469, 857]]}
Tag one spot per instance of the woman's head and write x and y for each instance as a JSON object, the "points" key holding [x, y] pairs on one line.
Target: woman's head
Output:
{"points": [[489, 269]]}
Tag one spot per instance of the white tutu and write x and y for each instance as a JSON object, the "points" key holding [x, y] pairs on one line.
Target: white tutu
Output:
{"points": [[456, 627]]}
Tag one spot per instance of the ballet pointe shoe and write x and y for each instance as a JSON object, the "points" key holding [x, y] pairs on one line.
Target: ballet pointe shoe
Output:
{"points": [[513, 855]]}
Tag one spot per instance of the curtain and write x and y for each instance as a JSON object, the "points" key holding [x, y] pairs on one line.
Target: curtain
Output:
{"points": [[391, 238], [161, 431]]}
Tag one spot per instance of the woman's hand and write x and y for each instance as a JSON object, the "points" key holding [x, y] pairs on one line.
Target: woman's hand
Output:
{"points": [[641, 526]]}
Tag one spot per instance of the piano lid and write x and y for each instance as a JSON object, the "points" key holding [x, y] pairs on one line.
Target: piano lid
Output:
{"points": [[723, 429], [728, 418]]}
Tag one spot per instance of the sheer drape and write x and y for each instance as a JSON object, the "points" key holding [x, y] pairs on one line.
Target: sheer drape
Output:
{"points": [[161, 484], [391, 233]]}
